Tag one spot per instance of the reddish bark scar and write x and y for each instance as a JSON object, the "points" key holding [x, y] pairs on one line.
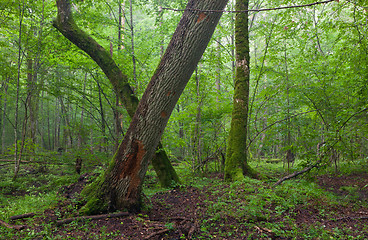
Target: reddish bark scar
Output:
{"points": [[170, 93], [163, 114], [201, 17], [132, 164]]}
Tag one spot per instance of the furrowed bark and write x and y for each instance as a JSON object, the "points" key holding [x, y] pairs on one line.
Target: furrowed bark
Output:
{"points": [[120, 187], [67, 26]]}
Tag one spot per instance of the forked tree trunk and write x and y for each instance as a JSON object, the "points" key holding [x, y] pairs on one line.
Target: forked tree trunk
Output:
{"points": [[120, 187], [236, 165], [66, 25]]}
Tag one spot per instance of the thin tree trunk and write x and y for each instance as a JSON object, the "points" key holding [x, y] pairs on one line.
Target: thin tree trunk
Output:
{"points": [[49, 127], [103, 141], [118, 117], [32, 100], [197, 153], [5, 85], [132, 41], [16, 158], [120, 187], [80, 130], [181, 135], [66, 25], [67, 136], [57, 124], [161, 16], [121, 25], [91, 132]]}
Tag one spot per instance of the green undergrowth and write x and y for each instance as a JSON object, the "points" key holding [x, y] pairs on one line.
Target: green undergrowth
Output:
{"points": [[246, 209], [256, 209]]}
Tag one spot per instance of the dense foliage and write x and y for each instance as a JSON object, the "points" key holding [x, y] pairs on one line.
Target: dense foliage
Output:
{"points": [[308, 80]]}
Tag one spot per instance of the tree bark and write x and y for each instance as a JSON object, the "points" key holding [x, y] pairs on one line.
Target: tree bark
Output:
{"points": [[236, 165], [66, 25], [120, 187]]}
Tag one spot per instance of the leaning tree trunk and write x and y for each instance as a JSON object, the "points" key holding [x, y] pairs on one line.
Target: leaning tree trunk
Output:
{"points": [[66, 25], [120, 187], [236, 157]]}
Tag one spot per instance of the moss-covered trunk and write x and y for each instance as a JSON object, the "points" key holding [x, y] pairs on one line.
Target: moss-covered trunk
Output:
{"points": [[66, 25], [120, 187], [236, 165]]}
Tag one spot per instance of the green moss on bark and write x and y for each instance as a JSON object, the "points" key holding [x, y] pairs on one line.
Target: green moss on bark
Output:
{"points": [[96, 194], [95, 200], [236, 165], [165, 171]]}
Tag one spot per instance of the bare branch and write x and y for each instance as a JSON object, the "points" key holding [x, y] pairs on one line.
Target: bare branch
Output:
{"points": [[250, 10]]}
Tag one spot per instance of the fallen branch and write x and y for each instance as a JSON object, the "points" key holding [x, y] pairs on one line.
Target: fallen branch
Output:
{"points": [[295, 174], [94, 217], [306, 169], [26, 215], [347, 218], [157, 233], [7, 225]]}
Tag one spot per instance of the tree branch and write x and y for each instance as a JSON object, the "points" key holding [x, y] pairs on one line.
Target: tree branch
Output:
{"points": [[250, 10]]}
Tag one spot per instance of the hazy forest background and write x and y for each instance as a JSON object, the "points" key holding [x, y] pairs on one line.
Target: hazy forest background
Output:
{"points": [[308, 106]]}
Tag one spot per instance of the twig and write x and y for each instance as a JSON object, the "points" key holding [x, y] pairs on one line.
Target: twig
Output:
{"points": [[94, 217], [157, 233], [26, 215], [192, 230], [250, 10], [181, 218], [347, 218], [7, 225]]}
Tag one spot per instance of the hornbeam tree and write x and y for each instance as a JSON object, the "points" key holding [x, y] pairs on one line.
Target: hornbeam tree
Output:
{"points": [[67, 26], [121, 185], [236, 165]]}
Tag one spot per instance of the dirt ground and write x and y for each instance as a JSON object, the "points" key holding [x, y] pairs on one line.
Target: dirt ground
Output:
{"points": [[177, 214]]}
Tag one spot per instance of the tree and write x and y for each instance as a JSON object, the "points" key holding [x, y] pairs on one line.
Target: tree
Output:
{"points": [[66, 25], [120, 186], [236, 165]]}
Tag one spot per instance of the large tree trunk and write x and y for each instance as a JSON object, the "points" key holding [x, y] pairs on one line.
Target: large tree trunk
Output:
{"points": [[120, 187], [236, 157], [66, 25]]}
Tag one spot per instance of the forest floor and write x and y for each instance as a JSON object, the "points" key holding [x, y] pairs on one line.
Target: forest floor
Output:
{"points": [[327, 206]]}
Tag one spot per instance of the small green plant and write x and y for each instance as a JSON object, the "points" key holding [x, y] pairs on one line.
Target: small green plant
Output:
{"points": [[170, 226]]}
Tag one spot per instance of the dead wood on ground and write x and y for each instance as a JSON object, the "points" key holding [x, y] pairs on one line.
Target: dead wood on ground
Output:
{"points": [[94, 217], [7, 225]]}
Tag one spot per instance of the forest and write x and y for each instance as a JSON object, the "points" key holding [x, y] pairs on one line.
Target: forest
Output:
{"points": [[157, 119]]}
